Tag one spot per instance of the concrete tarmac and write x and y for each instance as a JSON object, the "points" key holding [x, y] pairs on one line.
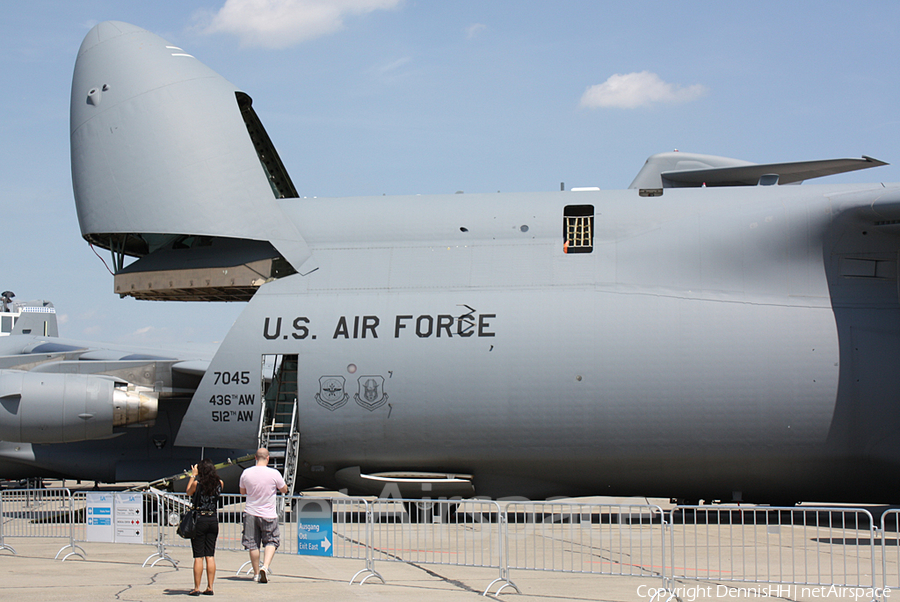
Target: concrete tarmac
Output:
{"points": [[114, 572]]}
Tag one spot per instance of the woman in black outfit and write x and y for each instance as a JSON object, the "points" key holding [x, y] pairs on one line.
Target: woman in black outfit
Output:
{"points": [[206, 484]]}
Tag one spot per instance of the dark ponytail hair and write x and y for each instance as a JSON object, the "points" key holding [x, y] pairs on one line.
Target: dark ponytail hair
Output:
{"points": [[207, 476]]}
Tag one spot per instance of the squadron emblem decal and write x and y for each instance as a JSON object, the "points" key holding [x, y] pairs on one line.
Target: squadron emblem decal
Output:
{"points": [[371, 393], [331, 393]]}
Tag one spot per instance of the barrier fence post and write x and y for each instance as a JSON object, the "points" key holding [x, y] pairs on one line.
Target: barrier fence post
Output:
{"points": [[503, 545], [161, 515], [883, 556], [370, 554], [873, 530], [671, 545], [3, 544], [890, 579], [662, 545], [75, 548]]}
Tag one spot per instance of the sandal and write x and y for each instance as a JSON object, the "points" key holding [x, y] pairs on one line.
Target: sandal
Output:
{"points": [[208, 592], [194, 592]]}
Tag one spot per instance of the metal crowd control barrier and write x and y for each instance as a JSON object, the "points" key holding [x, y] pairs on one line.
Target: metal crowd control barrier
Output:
{"points": [[350, 528], [161, 523], [44, 513], [162, 512], [155, 510], [780, 547], [602, 539], [231, 512], [774, 546], [165, 510], [449, 532]]}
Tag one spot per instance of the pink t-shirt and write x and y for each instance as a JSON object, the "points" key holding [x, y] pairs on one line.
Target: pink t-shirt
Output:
{"points": [[261, 483]]}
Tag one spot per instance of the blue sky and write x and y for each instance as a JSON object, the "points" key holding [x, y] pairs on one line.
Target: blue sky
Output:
{"points": [[404, 96]]}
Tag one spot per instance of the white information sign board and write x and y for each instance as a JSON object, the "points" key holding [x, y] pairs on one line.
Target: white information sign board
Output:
{"points": [[129, 509], [99, 516]]}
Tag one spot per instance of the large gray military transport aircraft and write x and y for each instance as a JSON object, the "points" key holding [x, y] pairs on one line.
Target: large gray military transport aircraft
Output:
{"points": [[712, 332]]}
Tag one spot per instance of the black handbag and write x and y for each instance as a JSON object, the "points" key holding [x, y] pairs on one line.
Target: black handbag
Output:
{"points": [[187, 526]]}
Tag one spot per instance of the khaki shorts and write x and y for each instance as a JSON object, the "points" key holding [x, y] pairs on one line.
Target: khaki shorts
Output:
{"points": [[260, 532]]}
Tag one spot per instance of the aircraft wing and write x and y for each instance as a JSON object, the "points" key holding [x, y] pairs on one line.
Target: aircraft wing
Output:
{"points": [[749, 175], [691, 170]]}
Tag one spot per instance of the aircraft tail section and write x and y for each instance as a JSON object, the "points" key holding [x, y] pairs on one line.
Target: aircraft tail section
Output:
{"points": [[170, 164]]}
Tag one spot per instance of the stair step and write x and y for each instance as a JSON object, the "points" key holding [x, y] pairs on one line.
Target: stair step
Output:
{"points": [[281, 400]]}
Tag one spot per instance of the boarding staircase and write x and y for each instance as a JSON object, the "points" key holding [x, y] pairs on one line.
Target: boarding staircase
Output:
{"points": [[279, 429]]}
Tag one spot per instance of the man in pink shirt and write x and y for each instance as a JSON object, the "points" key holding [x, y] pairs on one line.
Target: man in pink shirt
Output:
{"points": [[260, 483]]}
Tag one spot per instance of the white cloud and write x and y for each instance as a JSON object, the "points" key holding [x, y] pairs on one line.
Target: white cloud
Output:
{"points": [[385, 70], [282, 23], [474, 29], [637, 89]]}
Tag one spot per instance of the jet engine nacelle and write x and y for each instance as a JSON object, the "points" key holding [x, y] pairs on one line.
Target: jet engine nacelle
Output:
{"points": [[62, 408]]}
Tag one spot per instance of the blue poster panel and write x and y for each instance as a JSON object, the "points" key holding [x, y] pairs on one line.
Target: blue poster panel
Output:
{"points": [[99, 516], [315, 528]]}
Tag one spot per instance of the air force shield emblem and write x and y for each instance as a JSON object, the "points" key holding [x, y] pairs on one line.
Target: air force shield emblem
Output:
{"points": [[331, 393], [371, 393]]}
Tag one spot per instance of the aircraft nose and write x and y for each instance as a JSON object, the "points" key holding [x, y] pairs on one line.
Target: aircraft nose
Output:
{"points": [[159, 144], [118, 62], [150, 125], [105, 31]]}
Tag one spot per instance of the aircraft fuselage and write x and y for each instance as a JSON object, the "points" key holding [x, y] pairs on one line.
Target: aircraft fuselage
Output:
{"points": [[706, 347]]}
